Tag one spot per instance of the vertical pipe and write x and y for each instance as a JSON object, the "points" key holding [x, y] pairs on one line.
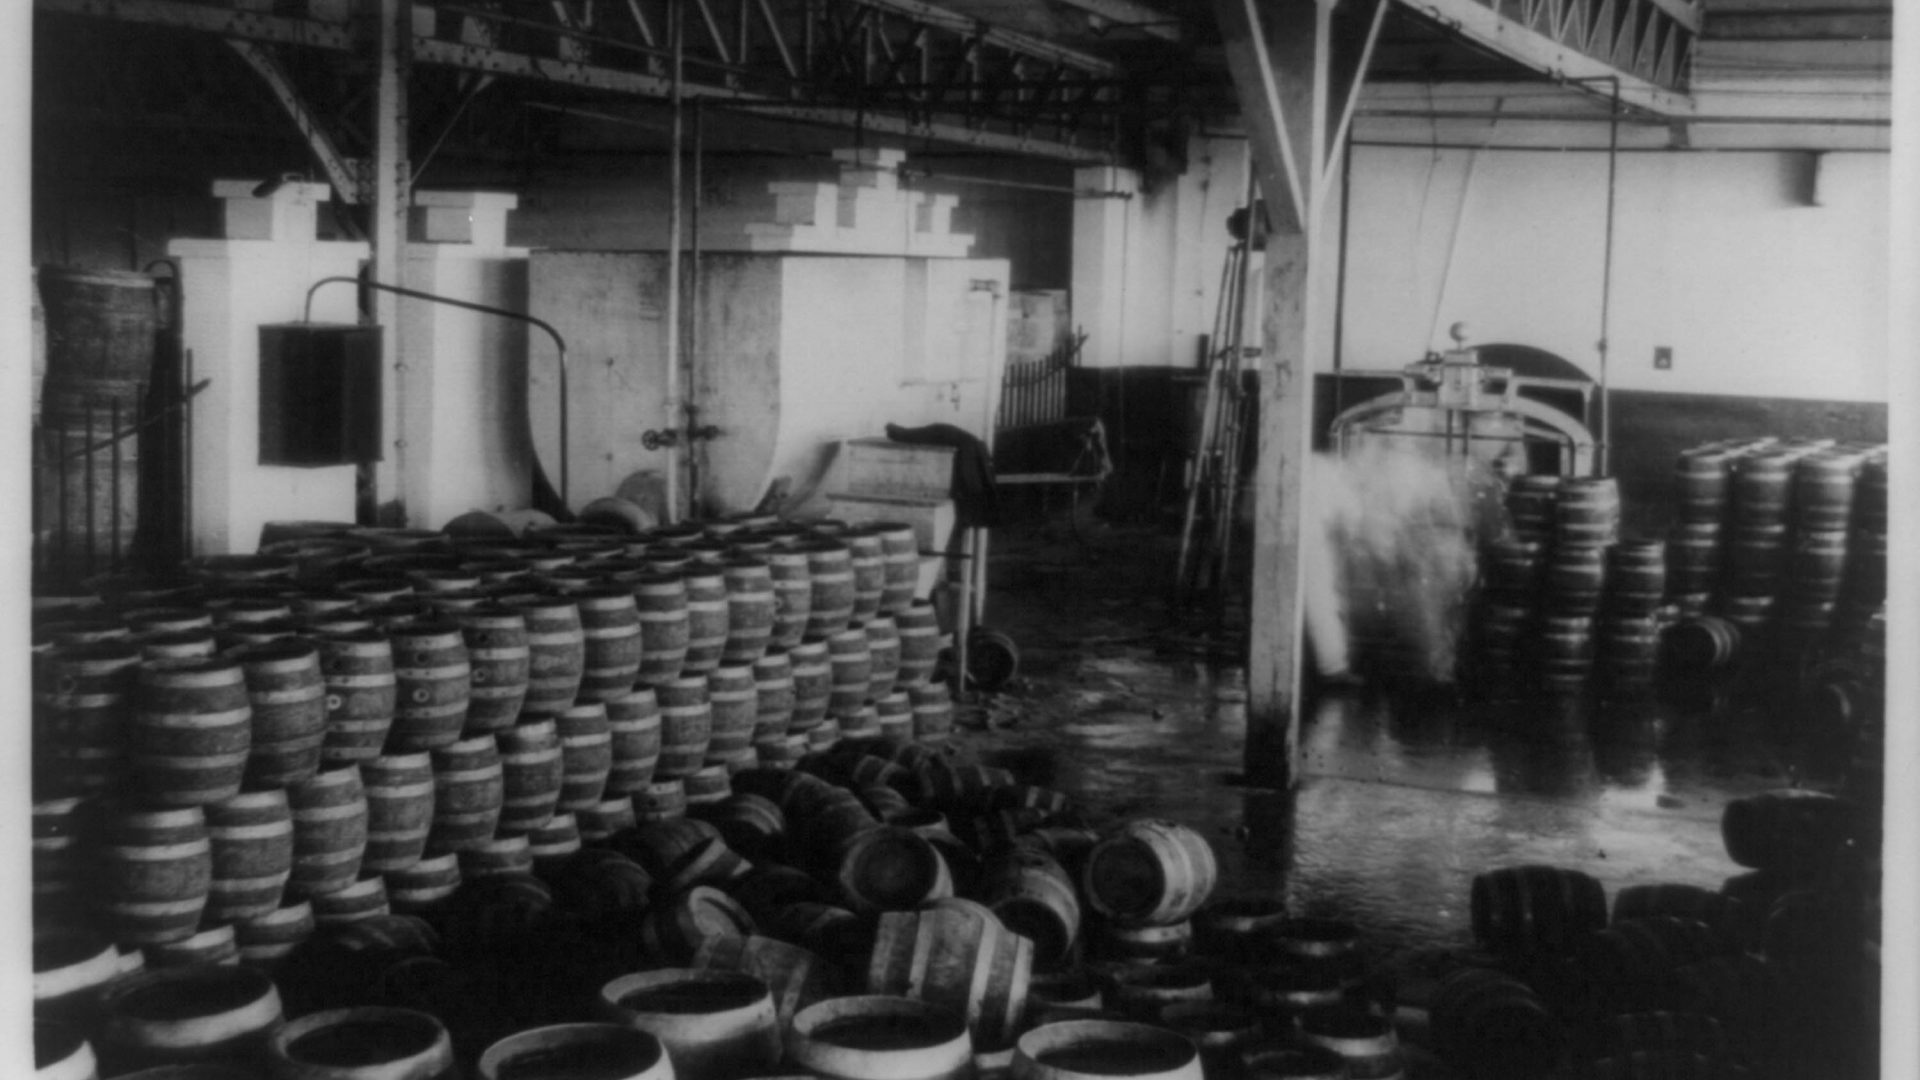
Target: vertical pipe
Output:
{"points": [[675, 421], [1340, 275], [692, 317], [1605, 463]]}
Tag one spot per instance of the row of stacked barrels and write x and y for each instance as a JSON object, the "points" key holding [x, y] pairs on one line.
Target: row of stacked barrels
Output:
{"points": [[1564, 602], [1772, 975], [1779, 544], [874, 910]]}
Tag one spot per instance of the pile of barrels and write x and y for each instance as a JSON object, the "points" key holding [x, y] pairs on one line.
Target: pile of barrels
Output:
{"points": [[1777, 552], [1772, 975], [1565, 604], [873, 910], [1780, 543]]}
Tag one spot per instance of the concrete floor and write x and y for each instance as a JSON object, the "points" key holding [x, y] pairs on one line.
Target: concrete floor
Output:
{"points": [[1134, 709]]}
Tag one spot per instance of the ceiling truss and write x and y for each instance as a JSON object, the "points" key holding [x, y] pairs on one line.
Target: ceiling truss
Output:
{"points": [[892, 67]]}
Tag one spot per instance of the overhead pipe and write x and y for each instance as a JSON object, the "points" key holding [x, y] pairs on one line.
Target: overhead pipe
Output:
{"points": [[559, 343]]}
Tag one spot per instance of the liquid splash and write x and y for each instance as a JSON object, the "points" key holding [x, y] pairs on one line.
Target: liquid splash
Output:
{"points": [[1391, 561]]}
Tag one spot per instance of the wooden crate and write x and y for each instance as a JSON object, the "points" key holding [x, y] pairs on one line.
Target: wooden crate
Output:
{"points": [[932, 519], [896, 469]]}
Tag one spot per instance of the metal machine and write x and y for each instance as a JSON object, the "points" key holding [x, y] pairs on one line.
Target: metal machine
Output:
{"points": [[1468, 408]]}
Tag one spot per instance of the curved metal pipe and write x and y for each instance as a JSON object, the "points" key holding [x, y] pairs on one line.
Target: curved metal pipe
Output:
{"points": [[559, 343]]}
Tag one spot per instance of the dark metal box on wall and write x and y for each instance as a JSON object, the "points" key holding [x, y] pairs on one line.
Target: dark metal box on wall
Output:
{"points": [[319, 394]]}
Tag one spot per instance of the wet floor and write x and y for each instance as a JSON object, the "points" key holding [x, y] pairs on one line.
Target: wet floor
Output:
{"points": [[1135, 707]]}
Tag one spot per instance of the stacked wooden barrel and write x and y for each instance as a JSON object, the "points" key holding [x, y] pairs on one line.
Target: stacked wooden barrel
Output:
{"points": [[240, 758], [1776, 555]]}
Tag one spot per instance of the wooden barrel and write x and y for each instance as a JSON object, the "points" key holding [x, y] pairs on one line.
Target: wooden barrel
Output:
{"points": [[368, 1042], [198, 1013], [531, 770], [329, 830], [795, 976], [665, 629], [812, 684], [433, 681], [252, 844], [72, 968], [1484, 1019], [178, 645], [883, 650], [571, 1051], [501, 662], [586, 753], [554, 843], [1366, 1041], [716, 1025], [900, 557], [634, 721], [1536, 910], [1141, 992], [707, 618], [1793, 831], [1587, 511], [773, 695], [362, 694], [662, 799], [919, 628], [191, 731], [750, 609], [868, 560], [82, 696], [1823, 491], [556, 653], [266, 940], [1149, 871], [424, 887], [610, 628], [831, 598], [734, 702], [706, 785], [1762, 487], [1702, 477], [288, 697], [877, 1037], [891, 869], [468, 786], [1089, 1049], [365, 898], [400, 799], [60, 862], [1033, 896], [955, 954], [498, 857], [850, 666], [686, 725], [792, 596], [1700, 644], [675, 928], [156, 870], [1756, 558]]}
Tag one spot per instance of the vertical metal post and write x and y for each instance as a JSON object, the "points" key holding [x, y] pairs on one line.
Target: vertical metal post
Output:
{"points": [[675, 419]]}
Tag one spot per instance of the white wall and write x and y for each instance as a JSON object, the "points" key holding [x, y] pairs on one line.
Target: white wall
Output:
{"points": [[1714, 256], [1146, 266]]}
